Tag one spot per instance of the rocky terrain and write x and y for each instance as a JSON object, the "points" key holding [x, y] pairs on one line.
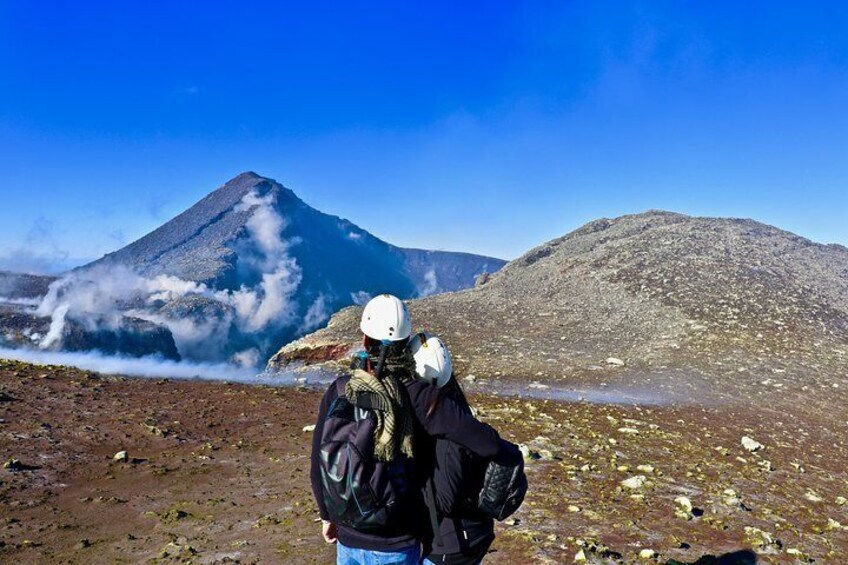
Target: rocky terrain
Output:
{"points": [[102, 469], [22, 328], [21, 286], [705, 307], [677, 384], [247, 268]]}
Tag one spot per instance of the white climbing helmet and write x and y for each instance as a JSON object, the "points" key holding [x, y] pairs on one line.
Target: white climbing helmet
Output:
{"points": [[386, 318], [432, 359]]}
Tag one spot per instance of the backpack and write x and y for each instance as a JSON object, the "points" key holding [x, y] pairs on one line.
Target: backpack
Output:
{"points": [[359, 491], [504, 488]]}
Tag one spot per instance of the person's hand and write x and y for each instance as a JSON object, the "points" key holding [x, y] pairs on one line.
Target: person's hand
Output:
{"points": [[329, 530]]}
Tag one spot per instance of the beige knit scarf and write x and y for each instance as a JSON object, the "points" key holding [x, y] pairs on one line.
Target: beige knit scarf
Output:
{"points": [[394, 431]]}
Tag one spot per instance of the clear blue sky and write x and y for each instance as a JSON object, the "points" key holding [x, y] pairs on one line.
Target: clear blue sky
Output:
{"points": [[480, 126]]}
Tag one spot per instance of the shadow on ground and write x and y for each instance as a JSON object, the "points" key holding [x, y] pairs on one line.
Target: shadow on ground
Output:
{"points": [[744, 557]]}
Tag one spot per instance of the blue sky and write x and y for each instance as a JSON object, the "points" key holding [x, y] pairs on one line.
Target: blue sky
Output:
{"points": [[480, 126]]}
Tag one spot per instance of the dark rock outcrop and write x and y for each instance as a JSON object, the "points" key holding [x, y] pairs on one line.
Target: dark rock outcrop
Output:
{"points": [[128, 336], [123, 336], [23, 286]]}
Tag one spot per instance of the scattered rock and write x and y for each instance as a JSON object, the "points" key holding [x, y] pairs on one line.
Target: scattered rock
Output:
{"points": [[511, 521], [121, 456], [157, 431], [615, 361], [546, 455], [766, 464], [631, 431], [173, 515], [812, 496], [841, 501], [647, 554], [178, 549], [796, 553], [470, 378], [684, 503], [634, 482], [527, 453], [13, 464], [731, 498], [580, 556], [833, 525], [309, 428], [762, 541], [83, 543], [751, 444]]}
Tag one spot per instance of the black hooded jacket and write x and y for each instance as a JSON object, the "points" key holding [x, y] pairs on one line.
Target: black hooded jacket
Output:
{"points": [[451, 420], [458, 477]]}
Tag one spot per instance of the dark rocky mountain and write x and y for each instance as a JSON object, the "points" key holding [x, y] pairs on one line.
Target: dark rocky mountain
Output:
{"points": [[203, 245], [638, 297], [248, 267]]}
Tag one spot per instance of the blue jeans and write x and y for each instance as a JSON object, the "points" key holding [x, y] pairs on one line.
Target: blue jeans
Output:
{"points": [[353, 556]]}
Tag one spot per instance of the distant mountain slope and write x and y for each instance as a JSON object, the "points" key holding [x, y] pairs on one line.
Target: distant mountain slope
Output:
{"points": [[247, 268], [202, 245], [21, 286], [657, 291]]}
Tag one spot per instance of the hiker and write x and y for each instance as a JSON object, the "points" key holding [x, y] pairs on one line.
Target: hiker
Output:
{"points": [[373, 444], [462, 529]]}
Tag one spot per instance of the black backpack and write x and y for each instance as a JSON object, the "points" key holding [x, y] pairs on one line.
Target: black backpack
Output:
{"points": [[504, 488], [504, 485], [359, 491]]}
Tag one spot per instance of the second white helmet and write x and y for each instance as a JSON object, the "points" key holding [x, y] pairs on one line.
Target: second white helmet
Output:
{"points": [[386, 318], [432, 359]]}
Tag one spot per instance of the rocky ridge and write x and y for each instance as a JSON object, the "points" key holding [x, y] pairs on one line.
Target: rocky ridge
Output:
{"points": [[700, 302]]}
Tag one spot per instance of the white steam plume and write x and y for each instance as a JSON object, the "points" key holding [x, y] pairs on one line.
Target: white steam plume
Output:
{"points": [[360, 298], [103, 295], [315, 315], [273, 299], [430, 286], [133, 366], [20, 301]]}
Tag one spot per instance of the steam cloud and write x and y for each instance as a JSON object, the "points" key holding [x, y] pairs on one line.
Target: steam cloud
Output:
{"points": [[102, 296], [430, 286], [315, 315], [20, 301], [360, 298], [134, 366]]}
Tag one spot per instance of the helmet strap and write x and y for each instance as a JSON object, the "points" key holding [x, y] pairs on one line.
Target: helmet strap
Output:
{"points": [[384, 351]]}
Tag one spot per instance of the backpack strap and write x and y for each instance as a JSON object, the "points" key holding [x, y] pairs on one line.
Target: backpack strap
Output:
{"points": [[340, 389], [430, 495]]}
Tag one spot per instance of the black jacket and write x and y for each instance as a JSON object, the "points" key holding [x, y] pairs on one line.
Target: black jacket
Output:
{"points": [[458, 477], [451, 421]]}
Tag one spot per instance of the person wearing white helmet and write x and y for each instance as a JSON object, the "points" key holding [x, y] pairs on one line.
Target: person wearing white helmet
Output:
{"points": [[432, 359], [374, 444], [461, 533]]}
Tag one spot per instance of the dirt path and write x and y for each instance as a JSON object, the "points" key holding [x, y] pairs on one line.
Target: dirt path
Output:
{"points": [[219, 473]]}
